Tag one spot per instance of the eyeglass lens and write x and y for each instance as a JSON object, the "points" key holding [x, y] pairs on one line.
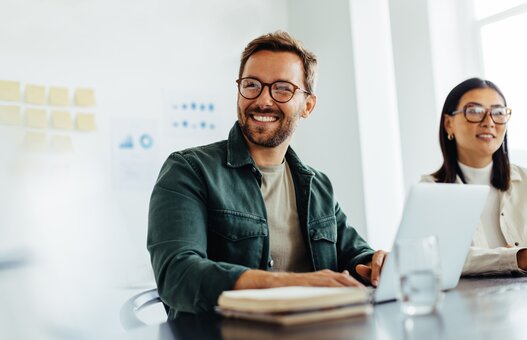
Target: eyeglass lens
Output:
{"points": [[281, 91], [477, 114]]}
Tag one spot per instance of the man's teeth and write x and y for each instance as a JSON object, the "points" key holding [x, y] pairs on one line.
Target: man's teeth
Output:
{"points": [[264, 118]]}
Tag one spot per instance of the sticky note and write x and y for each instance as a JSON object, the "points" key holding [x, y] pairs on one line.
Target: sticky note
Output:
{"points": [[36, 118], [10, 115], [58, 96], [62, 144], [35, 141], [61, 120], [35, 94], [84, 97], [9, 91], [85, 122]]}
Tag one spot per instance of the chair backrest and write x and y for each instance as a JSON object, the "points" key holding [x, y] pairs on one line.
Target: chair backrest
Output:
{"points": [[131, 307]]}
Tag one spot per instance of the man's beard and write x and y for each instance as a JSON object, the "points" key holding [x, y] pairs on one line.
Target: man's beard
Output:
{"points": [[286, 128]]}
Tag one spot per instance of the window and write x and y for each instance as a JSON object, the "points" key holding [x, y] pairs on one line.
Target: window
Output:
{"points": [[502, 27]]}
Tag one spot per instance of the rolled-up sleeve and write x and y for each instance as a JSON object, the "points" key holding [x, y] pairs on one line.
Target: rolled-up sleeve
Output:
{"points": [[495, 260], [352, 248]]}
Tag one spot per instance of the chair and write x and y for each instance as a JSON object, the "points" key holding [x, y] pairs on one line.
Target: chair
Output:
{"points": [[131, 307]]}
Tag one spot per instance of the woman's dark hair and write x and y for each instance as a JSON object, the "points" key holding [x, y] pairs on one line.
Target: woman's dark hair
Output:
{"points": [[500, 176]]}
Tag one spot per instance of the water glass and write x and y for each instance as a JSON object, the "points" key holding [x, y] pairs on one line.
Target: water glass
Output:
{"points": [[419, 271]]}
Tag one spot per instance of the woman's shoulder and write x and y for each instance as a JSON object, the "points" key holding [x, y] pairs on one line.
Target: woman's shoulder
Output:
{"points": [[518, 172]]}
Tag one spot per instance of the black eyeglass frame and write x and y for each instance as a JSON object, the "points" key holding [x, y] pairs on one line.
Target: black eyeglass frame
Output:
{"points": [[295, 87], [487, 112]]}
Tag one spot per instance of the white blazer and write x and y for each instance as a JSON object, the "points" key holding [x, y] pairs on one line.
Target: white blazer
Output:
{"points": [[513, 225]]}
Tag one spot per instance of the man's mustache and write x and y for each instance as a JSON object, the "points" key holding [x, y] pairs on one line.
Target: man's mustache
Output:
{"points": [[264, 111]]}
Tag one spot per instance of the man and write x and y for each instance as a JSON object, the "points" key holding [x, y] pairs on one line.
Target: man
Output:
{"points": [[246, 212]]}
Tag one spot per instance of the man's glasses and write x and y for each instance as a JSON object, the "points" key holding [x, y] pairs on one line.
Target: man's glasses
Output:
{"points": [[477, 113], [281, 91]]}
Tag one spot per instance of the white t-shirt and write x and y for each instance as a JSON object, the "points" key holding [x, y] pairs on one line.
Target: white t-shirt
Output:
{"points": [[490, 222]]}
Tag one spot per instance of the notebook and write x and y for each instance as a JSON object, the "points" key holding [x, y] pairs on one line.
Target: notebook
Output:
{"points": [[449, 211], [295, 305]]}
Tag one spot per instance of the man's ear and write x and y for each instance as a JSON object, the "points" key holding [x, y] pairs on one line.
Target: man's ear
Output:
{"points": [[309, 105]]}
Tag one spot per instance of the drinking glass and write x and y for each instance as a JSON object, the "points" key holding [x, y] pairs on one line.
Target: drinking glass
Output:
{"points": [[419, 271]]}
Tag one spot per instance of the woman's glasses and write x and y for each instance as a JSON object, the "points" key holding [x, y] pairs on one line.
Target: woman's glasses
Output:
{"points": [[477, 113]]}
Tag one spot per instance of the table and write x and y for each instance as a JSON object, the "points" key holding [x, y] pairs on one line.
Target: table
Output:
{"points": [[491, 307]]}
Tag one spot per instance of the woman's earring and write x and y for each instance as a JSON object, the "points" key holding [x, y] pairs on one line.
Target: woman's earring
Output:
{"points": [[450, 136]]}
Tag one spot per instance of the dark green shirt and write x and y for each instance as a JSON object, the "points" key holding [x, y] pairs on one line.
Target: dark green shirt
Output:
{"points": [[207, 223]]}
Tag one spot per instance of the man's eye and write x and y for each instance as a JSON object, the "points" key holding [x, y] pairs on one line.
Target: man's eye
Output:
{"points": [[283, 88], [250, 85]]}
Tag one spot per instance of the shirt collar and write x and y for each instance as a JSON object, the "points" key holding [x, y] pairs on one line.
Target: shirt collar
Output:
{"points": [[238, 153]]}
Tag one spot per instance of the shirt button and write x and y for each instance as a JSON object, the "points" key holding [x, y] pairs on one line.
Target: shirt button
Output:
{"points": [[516, 243], [253, 169], [271, 263]]}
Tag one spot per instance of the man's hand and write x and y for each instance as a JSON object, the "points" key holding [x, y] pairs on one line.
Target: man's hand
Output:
{"points": [[253, 278], [372, 271], [521, 257]]}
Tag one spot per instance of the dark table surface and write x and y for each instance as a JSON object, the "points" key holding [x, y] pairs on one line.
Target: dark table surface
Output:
{"points": [[491, 307]]}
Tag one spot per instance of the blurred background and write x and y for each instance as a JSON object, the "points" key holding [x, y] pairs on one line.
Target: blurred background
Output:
{"points": [[94, 95]]}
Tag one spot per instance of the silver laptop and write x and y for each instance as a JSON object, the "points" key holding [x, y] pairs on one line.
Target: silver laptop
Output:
{"points": [[449, 211]]}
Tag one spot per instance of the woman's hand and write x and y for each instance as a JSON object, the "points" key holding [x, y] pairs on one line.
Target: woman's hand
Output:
{"points": [[521, 256]]}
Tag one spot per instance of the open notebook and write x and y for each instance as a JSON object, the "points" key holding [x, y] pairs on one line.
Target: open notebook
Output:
{"points": [[295, 305]]}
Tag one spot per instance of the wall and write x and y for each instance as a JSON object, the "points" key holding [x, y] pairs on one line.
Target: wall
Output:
{"points": [[83, 233], [329, 139], [81, 228], [353, 134], [416, 88]]}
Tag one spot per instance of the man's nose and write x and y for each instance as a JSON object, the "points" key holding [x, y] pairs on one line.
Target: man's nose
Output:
{"points": [[265, 99]]}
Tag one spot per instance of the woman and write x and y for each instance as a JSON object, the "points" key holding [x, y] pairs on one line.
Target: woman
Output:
{"points": [[473, 138]]}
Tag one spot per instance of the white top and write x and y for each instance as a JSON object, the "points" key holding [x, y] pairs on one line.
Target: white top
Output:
{"points": [[490, 221], [512, 224]]}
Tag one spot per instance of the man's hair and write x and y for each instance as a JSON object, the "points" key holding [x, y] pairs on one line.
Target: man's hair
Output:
{"points": [[281, 41], [500, 177]]}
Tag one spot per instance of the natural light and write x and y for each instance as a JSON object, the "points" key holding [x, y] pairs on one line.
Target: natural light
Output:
{"points": [[504, 53]]}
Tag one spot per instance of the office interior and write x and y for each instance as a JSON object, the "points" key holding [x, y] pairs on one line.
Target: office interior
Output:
{"points": [[140, 79]]}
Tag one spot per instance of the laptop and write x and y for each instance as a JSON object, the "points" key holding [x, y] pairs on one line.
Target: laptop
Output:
{"points": [[449, 211]]}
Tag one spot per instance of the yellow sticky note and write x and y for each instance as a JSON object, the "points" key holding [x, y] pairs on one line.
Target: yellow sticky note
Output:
{"points": [[9, 91], [35, 141], [37, 118], [10, 115], [86, 122], [61, 144], [61, 120], [58, 96], [35, 94], [84, 97]]}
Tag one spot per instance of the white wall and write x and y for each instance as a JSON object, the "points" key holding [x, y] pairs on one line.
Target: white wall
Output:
{"points": [[353, 134], [378, 120], [414, 73], [329, 139], [86, 237]]}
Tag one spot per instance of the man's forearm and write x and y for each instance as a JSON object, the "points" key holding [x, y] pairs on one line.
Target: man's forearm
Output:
{"points": [[257, 279]]}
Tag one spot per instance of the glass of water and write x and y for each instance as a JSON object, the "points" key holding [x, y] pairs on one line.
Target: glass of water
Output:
{"points": [[419, 271]]}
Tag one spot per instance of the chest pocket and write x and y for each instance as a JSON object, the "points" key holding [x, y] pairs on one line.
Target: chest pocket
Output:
{"points": [[323, 237], [236, 237]]}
